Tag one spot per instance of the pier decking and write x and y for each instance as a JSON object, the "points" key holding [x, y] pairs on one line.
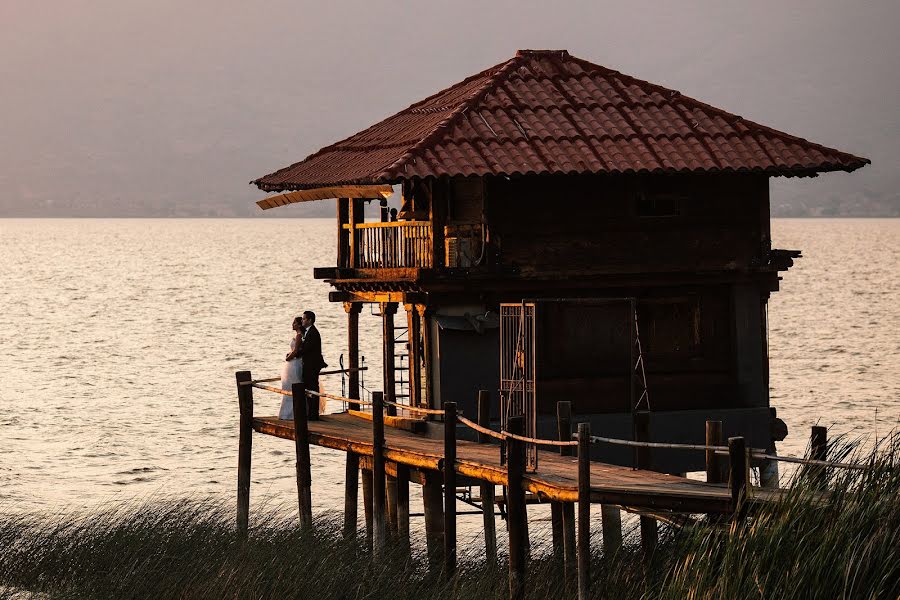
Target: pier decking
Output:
{"points": [[555, 480]]}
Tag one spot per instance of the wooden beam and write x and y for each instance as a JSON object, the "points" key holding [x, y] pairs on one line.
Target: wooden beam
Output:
{"points": [[434, 518], [487, 489], [737, 476], [343, 238], [379, 537], [428, 391], [368, 508], [301, 446], [402, 478], [245, 442], [449, 489], [351, 494], [566, 509], [584, 511], [388, 310], [516, 511], [415, 354]]}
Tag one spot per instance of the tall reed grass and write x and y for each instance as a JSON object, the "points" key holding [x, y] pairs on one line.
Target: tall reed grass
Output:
{"points": [[845, 544]]}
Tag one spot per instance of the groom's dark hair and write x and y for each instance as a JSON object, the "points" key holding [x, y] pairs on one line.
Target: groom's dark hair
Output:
{"points": [[310, 315]]}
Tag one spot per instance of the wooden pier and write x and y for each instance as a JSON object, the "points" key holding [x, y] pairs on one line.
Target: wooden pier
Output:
{"points": [[393, 451]]}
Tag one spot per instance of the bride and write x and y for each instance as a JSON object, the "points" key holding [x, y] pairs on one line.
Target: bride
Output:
{"points": [[292, 372]]}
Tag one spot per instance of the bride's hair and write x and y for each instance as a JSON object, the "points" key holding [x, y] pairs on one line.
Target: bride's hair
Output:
{"points": [[296, 320]]}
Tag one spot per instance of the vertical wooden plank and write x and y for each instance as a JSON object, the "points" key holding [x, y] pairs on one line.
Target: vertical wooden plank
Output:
{"points": [[403, 505], [343, 239], [427, 391], [432, 500], [367, 481], [567, 509], [415, 355], [737, 475], [357, 216], [245, 442], [438, 214], [301, 446], [713, 464], [379, 533], [351, 494], [611, 522], [353, 309], [449, 489], [818, 446], [487, 489], [515, 507], [390, 489], [388, 310], [649, 526], [584, 511]]}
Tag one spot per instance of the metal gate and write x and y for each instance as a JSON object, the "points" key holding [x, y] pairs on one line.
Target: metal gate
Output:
{"points": [[517, 371]]}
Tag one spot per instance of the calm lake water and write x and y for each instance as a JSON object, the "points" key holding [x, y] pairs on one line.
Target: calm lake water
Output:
{"points": [[119, 340]]}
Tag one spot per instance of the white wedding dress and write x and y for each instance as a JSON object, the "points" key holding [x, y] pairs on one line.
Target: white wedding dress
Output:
{"points": [[291, 373]]}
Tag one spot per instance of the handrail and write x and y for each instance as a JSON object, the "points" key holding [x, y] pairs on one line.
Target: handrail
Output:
{"points": [[503, 435], [385, 224], [332, 372]]}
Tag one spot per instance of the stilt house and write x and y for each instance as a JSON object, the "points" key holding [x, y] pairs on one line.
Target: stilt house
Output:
{"points": [[567, 232]]}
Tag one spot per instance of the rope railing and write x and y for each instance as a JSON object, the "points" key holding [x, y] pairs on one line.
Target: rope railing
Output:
{"points": [[755, 453], [332, 372]]}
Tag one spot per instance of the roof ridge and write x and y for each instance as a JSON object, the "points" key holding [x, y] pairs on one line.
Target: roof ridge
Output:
{"points": [[446, 125]]}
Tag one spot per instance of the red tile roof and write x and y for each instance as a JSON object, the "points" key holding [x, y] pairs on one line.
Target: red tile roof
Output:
{"points": [[546, 112]]}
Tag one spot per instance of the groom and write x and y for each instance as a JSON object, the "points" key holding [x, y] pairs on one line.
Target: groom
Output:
{"points": [[311, 352]]}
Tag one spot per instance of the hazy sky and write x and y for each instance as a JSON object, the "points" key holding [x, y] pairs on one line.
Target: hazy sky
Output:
{"points": [[164, 107]]}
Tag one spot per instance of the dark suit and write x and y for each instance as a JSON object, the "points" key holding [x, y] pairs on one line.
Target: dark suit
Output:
{"points": [[311, 353]]}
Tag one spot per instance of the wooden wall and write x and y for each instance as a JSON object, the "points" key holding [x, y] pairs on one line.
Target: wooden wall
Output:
{"points": [[563, 226]]}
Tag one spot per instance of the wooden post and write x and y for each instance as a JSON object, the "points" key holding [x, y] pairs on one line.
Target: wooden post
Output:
{"points": [[388, 310], [343, 235], [390, 489], [351, 494], [379, 532], [737, 475], [353, 309], [403, 505], [245, 442], [649, 527], [584, 511], [713, 464], [425, 324], [564, 431], [487, 489], [301, 446], [818, 447], [432, 501], [367, 481], [415, 355], [516, 516], [449, 489], [611, 521], [556, 516], [357, 215]]}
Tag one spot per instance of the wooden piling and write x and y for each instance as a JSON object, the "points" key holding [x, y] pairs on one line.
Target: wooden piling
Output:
{"points": [[403, 505], [818, 448], [432, 501], [301, 446], [388, 310], [245, 442], [516, 516], [584, 510], [611, 522], [558, 509], [367, 481], [449, 489], [487, 489], [390, 489], [379, 533], [351, 494], [643, 460], [353, 309], [713, 464], [737, 475]]}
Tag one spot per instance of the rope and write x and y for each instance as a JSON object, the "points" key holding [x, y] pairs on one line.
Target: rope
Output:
{"points": [[334, 372], [494, 434], [269, 388], [425, 411], [809, 461]]}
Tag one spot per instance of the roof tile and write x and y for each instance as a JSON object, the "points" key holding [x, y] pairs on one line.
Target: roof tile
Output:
{"points": [[547, 112]]}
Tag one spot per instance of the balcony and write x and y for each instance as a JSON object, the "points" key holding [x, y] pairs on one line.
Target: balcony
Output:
{"points": [[392, 245]]}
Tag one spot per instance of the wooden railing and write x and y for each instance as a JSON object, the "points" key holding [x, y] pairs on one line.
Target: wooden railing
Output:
{"points": [[398, 244]]}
